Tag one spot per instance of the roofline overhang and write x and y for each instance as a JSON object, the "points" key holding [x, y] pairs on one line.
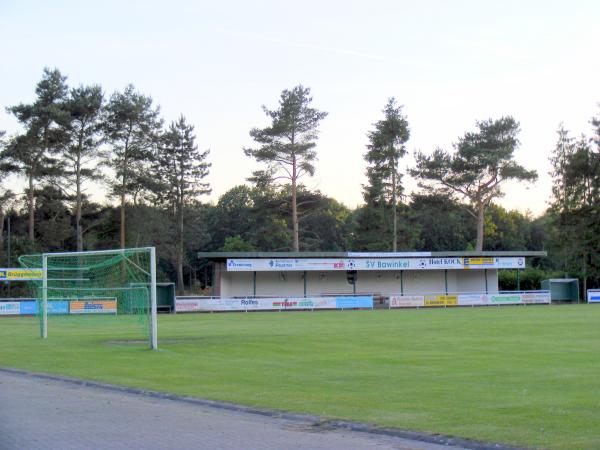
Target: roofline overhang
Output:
{"points": [[358, 255]]}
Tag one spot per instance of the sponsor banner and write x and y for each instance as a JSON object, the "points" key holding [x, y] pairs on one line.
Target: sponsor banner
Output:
{"points": [[94, 307], [536, 298], [266, 304], [473, 299], [9, 308], [441, 300], [354, 302], [593, 295], [407, 301], [54, 307], [188, 305], [20, 274], [378, 264], [505, 299]]}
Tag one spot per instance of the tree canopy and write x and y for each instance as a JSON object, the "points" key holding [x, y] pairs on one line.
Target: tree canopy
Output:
{"points": [[475, 172]]}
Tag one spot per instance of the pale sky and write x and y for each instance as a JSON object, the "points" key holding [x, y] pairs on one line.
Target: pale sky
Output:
{"points": [[449, 63]]}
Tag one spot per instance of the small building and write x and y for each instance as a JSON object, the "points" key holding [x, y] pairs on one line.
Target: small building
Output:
{"points": [[306, 274]]}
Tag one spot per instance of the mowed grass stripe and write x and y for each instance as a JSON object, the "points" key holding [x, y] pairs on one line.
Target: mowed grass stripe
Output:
{"points": [[518, 375]]}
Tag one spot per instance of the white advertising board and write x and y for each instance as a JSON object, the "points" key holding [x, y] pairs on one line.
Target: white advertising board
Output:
{"points": [[407, 301], [593, 295], [378, 264], [10, 308], [475, 299], [253, 304]]}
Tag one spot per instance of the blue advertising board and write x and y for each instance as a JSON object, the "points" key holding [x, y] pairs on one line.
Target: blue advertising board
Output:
{"points": [[354, 302], [54, 307]]}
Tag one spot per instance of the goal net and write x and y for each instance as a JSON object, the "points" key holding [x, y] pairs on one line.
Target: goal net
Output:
{"points": [[97, 283]]}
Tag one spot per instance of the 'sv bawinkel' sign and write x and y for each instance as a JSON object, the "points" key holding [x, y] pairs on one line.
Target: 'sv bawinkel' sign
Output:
{"points": [[345, 264]]}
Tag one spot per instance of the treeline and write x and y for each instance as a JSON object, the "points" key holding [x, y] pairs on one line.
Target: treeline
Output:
{"points": [[74, 139]]}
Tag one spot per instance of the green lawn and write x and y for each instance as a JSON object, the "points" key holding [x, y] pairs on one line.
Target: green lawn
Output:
{"points": [[519, 375]]}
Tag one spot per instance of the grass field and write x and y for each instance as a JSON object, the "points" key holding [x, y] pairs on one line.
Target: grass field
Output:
{"points": [[520, 375]]}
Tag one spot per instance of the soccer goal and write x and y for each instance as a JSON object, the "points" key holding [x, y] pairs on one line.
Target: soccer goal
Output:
{"points": [[95, 283]]}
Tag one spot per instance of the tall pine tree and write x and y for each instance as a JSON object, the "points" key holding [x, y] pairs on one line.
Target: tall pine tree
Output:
{"points": [[386, 147], [287, 146], [80, 154], [33, 154], [181, 168], [131, 126]]}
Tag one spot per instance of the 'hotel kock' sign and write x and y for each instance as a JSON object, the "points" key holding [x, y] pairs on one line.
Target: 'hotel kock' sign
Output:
{"points": [[328, 264]]}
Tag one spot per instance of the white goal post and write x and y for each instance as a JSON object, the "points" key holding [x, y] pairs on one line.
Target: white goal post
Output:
{"points": [[70, 274]]}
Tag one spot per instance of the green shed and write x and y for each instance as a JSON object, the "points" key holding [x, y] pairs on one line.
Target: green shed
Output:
{"points": [[562, 289], [165, 297]]}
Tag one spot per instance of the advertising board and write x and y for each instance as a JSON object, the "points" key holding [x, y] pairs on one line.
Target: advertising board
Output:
{"points": [[441, 300], [10, 308], [187, 304], [407, 301], [593, 295], [13, 274], [375, 263], [54, 307], [93, 307]]}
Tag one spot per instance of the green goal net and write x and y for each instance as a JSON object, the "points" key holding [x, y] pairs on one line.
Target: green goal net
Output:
{"points": [[96, 284]]}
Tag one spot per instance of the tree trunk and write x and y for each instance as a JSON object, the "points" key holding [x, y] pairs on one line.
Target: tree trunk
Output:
{"points": [[1, 229], [78, 205], [395, 243], [295, 209], [31, 208], [123, 220], [585, 277], [480, 223], [180, 284]]}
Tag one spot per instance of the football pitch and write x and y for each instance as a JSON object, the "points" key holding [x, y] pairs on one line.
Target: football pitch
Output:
{"points": [[527, 376]]}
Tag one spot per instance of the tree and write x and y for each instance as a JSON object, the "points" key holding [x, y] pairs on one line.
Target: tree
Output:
{"points": [[181, 168], [287, 145], [33, 153], [574, 210], [84, 106], [386, 147], [441, 223], [131, 126], [5, 194], [483, 161]]}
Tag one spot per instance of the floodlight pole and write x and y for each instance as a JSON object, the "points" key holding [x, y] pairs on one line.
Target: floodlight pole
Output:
{"points": [[44, 330], [153, 319]]}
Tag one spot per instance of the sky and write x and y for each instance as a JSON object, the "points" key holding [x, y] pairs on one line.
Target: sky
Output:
{"points": [[449, 63]]}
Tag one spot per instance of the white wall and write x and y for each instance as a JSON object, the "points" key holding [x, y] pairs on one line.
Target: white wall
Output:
{"points": [[474, 280], [318, 283], [236, 284], [279, 283]]}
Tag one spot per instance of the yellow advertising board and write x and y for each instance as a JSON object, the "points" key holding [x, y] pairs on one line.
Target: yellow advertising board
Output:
{"points": [[479, 262], [20, 274], [441, 300]]}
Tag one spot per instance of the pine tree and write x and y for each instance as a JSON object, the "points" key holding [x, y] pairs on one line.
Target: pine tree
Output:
{"points": [[131, 125], [33, 153], [79, 156], [287, 145], [181, 168], [386, 147], [483, 161]]}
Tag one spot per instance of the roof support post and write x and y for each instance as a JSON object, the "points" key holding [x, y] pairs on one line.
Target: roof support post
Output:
{"points": [[304, 279], [486, 280]]}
